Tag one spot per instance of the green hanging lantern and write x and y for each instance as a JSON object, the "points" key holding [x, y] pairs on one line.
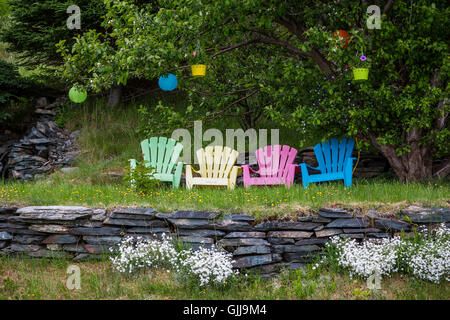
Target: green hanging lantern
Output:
{"points": [[77, 96]]}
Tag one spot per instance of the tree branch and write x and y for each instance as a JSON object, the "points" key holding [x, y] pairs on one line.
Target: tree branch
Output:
{"points": [[388, 6]]}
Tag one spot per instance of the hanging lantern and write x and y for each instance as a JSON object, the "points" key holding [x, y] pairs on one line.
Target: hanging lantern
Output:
{"points": [[198, 70], [361, 73], [77, 96], [168, 82], [342, 34]]}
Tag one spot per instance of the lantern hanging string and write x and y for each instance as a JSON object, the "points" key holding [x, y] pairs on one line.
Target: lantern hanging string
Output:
{"points": [[198, 47]]}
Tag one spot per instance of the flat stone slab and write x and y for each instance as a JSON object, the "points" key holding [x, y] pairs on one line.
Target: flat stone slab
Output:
{"points": [[104, 231], [196, 240], [149, 212], [289, 234], [200, 233], [251, 261], [333, 213], [348, 223], [281, 240], [328, 233], [131, 216], [240, 217], [23, 247], [49, 228], [54, 209], [60, 239], [352, 235], [53, 214], [78, 248], [303, 256], [148, 230], [242, 242], [392, 225], [135, 223], [316, 241], [5, 236], [294, 248], [270, 226], [27, 239], [427, 215], [7, 210], [230, 225], [191, 223], [251, 250], [108, 241], [182, 214], [249, 234], [361, 230]]}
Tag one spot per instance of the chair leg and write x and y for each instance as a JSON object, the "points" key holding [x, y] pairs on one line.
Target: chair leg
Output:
{"points": [[232, 179], [290, 176], [177, 175], [348, 175], [189, 180], [305, 175], [246, 176]]}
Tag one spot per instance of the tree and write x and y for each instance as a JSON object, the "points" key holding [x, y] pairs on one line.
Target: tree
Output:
{"points": [[299, 67], [36, 27]]}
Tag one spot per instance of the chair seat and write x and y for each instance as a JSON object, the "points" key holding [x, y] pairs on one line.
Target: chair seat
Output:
{"points": [[165, 177], [265, 180], [210, 181], [326, 176]]}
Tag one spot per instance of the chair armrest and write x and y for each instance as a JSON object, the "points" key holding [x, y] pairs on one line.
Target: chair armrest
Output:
{"points": [[349, 159], [307, 165], [249, 168]]}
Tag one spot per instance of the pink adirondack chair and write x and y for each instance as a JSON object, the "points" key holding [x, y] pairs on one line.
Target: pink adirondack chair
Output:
{"points": [[276, 166]]}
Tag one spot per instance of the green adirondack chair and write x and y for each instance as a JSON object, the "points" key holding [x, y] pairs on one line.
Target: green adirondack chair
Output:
{"points": [[162, 154]]}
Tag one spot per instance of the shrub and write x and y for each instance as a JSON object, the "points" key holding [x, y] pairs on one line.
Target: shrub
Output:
{"points": [[203, 267], [141, 177], [426, 255]]}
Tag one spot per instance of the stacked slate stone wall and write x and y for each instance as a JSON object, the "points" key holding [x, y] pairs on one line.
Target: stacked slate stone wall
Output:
{"points": [[82, 233]]}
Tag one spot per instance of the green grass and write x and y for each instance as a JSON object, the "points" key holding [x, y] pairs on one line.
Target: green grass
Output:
{"points": [[108, 138], [71, 189], [45, 279]]}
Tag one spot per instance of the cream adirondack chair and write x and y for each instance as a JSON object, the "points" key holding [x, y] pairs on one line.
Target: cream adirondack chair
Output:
{"points": [[216, 168]]}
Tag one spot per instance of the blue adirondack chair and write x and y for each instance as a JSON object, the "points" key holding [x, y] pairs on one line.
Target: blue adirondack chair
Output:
{"points": [[335, 162]]}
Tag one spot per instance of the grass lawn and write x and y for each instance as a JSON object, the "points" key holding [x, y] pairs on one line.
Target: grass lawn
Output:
{"points": [[386, 195], [46, 279], [108, 138]]}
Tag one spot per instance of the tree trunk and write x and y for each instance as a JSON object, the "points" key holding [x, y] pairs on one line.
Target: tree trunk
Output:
{"points": [[115, 93], [413, 166]]}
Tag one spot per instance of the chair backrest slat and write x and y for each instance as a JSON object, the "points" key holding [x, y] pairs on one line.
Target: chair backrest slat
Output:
{"points": [[331, 154], [334, 155], [167, 155], [216, 161], [273, 161], [230, 163], [209, 157], [226, 152], [218, 153], [161, 153]]}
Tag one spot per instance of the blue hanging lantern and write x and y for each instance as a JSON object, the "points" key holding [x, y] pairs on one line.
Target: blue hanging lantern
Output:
{"points": [[168, 82]]}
